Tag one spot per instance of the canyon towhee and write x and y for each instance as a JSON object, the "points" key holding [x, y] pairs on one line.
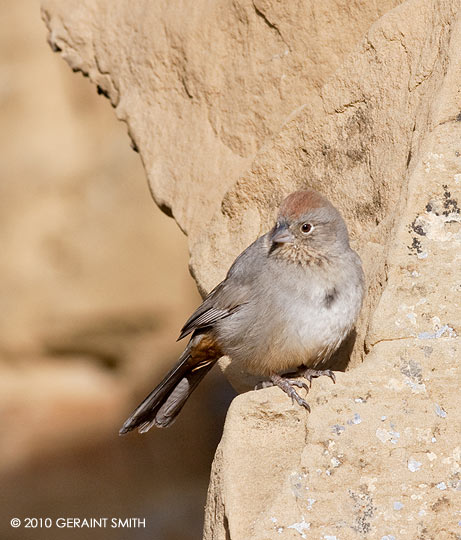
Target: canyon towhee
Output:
{"points": [[287, 303]]}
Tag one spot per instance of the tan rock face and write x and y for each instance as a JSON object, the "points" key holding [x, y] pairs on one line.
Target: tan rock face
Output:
{"points": [[205, 92], [227, 123], [355, 144], [202, 85], [378, 457]]}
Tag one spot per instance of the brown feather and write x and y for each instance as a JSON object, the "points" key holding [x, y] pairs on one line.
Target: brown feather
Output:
{"points": [[300, 202], [163, 404]]}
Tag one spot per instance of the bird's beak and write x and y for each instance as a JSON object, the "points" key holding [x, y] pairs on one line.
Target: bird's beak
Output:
{"points": [[281, 234]]}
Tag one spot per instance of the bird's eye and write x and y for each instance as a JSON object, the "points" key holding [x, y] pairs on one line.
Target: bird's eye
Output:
{"points": [[306, 228]]}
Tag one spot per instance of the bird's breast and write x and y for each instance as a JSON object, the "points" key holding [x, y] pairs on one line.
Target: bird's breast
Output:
{"points": [[289, 323]]}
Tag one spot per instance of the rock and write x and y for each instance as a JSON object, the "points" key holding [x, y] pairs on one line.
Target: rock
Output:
{"points": [[202, 87], [232, 104], [238, 124], [370, 466], [378, 456], [357, 144], [233, 501]]}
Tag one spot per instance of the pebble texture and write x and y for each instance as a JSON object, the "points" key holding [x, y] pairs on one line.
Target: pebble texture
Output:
{"points": [[234, 106]]}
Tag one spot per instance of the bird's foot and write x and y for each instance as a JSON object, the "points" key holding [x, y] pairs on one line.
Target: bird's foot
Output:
{"points": [[287, 384], [310, 374]]}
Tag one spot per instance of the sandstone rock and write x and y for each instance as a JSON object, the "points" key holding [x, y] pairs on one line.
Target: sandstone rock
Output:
{"points": [[356, 144], [370, 466], [378, 457], [203, 86], [214, 90], [238, 124]]}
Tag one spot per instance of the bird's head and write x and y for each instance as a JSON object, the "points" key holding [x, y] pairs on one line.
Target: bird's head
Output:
{"points": [[308, 223]]}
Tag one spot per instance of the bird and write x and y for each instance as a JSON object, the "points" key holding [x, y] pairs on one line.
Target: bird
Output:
{"points": [[287, 303]]}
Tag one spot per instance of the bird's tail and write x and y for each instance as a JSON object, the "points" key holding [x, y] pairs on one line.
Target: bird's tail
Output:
{"points": [[164, 403]]}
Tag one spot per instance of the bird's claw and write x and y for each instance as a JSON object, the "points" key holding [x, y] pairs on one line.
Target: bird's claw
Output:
{"points": [[299, 400], [310, 374], [287, 385], [298, 383]]}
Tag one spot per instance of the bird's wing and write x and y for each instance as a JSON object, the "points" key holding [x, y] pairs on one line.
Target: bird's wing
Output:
{"points": [[232, 293], [222, 301]]}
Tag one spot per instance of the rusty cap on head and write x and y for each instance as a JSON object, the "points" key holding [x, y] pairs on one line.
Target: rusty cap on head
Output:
{"points": [[300, 202]]}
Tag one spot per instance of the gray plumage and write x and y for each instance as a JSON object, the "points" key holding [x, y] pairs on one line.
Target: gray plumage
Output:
{"points": [[289, 299]]}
